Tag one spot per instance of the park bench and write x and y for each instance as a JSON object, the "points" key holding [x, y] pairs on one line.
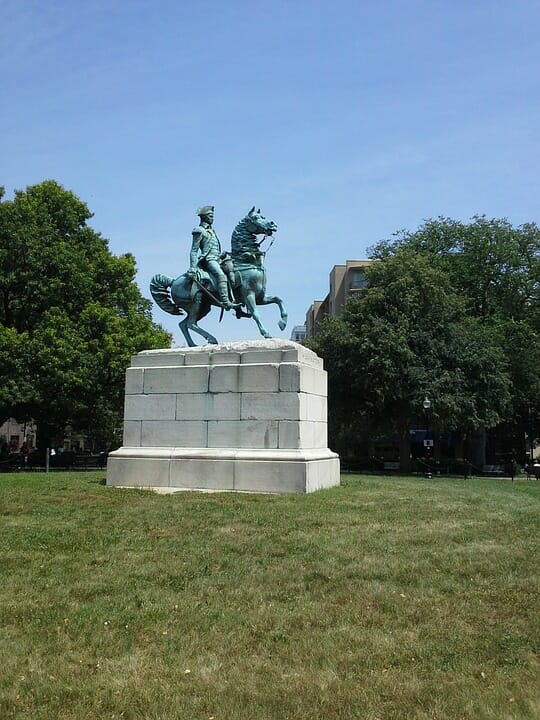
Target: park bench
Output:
{"points": [[89, 462], [11, 462], [492, 470]]}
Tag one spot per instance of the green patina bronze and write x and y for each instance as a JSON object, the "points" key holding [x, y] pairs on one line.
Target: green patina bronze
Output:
{"points": [[232, 281]]}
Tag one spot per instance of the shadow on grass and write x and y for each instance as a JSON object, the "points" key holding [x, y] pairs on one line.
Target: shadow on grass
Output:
{"points": [[101, 481]]}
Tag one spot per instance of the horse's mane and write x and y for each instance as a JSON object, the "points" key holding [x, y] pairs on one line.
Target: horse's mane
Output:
{"points": [[243, 239]]}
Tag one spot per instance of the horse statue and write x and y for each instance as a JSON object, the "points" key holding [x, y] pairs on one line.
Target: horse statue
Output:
{"points": [[196, 296]]}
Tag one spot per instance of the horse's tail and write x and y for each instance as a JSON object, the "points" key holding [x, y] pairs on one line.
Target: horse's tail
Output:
{"points": [[160, 289]]}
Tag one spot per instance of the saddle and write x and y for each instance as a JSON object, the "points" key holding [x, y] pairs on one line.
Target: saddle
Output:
{"points": [[203, 280]]}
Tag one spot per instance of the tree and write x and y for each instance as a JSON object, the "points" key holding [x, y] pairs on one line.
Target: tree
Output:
{"points": [[71, 316], [496, 267], [406, 336]]}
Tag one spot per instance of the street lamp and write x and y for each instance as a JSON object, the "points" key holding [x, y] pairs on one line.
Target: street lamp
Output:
{"points": [[531, 435], [427, 442]]}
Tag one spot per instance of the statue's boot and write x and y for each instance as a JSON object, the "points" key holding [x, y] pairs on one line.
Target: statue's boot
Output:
{"points": [[223, 293]]}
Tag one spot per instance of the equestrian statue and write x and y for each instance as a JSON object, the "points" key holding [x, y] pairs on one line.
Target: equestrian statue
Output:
{"points": [[231, 281]]}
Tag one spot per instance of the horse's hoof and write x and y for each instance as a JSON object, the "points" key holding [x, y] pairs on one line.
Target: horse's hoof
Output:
{"points": [[282, 324]]}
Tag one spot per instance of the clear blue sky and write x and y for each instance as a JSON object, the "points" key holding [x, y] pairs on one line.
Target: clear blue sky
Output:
{"points": [[344, 121]]}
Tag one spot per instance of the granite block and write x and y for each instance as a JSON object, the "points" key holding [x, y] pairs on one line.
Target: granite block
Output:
{"points": [[150, 407], [182, 379]]}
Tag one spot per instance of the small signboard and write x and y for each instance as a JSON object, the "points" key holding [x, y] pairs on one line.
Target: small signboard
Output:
{"points": [[428, 443]]}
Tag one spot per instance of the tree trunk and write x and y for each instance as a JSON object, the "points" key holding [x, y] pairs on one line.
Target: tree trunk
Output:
{"points": [[478, 447], [44, 434], [404, 446]]}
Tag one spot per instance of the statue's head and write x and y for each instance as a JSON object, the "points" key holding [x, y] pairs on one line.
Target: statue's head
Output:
{"points": [[206, 212], [258, 224]]}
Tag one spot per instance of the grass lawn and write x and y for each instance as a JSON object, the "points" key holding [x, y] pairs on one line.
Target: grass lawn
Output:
{"points": [[384, 598]]}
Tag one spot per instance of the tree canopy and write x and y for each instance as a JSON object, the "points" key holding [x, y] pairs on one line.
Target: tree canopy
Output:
{"points": [[71, 315], [496, 267], [450, 311]]}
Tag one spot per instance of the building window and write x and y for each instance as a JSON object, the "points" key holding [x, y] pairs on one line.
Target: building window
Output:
{"points": [[298, 333], [358, 279]]}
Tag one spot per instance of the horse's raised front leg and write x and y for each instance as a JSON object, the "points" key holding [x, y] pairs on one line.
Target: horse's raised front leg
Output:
{"points": [[252, 309], [275, 300]]}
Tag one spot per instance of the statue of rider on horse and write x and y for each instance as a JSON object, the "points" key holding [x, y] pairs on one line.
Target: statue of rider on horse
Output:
{"points": [[215, 278], [206, 254]]}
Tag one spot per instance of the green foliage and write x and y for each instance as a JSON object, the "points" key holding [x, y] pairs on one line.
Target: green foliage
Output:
{"points": [[70, 315], [496, 265], [496, 268], [406, 336], [451, 311]]}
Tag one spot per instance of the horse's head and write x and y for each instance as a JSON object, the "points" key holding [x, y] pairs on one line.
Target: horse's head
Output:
{"points": [[257, 224]]}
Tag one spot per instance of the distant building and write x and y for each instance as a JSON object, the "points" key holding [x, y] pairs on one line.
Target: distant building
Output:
{"points": [[345, 281], [317, 310], [15, 433], [298, 333]]}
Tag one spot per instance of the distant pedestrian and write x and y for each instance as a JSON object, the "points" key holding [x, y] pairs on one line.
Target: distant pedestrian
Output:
{"points": [[25, 452]]}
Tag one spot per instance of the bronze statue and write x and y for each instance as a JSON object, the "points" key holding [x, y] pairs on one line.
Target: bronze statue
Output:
{"points": [[206, 254], [215, 278]]}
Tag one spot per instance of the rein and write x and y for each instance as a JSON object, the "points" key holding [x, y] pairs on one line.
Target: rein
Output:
{"points": [[214, 298], [207, 291], [271, 242]]}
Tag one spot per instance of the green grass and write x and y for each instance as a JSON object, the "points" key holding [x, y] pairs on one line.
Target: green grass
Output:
{"points": [[385, 598]]}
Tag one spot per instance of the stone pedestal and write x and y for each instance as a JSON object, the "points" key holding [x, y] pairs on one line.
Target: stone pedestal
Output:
{"points": [[246, 416]]}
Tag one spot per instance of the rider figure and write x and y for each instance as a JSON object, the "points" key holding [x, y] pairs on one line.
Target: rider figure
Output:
{"points": [[206, 253]]}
